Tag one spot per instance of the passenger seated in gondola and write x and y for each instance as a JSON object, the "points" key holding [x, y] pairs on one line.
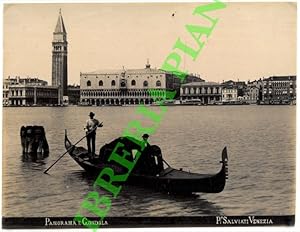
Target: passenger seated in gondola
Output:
{"points": [[106, 150], [150, 161]]}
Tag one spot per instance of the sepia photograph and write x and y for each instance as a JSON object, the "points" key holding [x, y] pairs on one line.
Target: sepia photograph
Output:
{"points": [[153, 114]]}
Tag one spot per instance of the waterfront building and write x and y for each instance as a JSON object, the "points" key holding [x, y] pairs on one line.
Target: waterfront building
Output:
{"points": [[7, 82], [59, 58], [239, 85], [278, 90], [128, 86], [204, 92], [252, 92], [234, 92], [230, 94], [74, 94], [27, 91]]}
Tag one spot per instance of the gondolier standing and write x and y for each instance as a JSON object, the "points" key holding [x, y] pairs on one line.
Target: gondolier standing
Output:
{"points": [[91, 127]]}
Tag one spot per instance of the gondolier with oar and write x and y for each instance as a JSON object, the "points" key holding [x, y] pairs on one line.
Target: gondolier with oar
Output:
{"points": [[90, 128]]}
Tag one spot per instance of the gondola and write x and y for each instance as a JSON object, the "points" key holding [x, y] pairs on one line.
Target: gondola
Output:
{"points": [[170, 180]]}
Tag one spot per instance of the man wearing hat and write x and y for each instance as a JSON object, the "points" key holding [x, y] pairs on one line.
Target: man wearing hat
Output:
{"points": [[145, 139], [147, 160], [91, 127]]}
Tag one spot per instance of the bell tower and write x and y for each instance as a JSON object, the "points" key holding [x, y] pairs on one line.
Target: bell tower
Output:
{"points": [[59, 58]]}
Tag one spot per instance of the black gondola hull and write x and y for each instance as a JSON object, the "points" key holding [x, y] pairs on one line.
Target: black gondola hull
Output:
{"points": [[169, 180]]}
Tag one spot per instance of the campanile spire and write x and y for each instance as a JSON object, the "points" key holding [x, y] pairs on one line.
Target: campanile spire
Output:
{"points": [[59, 57]]}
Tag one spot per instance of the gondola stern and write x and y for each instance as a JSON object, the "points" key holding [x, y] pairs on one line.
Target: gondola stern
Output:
{"points": [[224, 155], [224, 162]]}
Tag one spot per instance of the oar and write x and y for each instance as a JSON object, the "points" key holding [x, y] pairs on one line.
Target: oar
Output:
{"points": [[166, 162], [165, 169], [45, 172]]}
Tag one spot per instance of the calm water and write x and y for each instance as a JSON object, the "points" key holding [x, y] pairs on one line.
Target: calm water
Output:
{"points": [[261, 144]]}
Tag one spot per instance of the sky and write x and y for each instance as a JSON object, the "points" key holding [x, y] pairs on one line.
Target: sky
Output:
{"points": [[250, 41]]}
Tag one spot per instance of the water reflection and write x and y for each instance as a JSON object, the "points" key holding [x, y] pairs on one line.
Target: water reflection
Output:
{"points": [[81, 176], [144, 200], [140, 201], [257, 148], [35, 158]]}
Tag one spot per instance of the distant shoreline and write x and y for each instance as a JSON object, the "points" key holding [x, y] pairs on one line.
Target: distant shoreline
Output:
{"points": [[174, 105]]}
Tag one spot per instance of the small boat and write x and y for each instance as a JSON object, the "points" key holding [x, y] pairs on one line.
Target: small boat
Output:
{"points": [[192, 102], [170, 180]]}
